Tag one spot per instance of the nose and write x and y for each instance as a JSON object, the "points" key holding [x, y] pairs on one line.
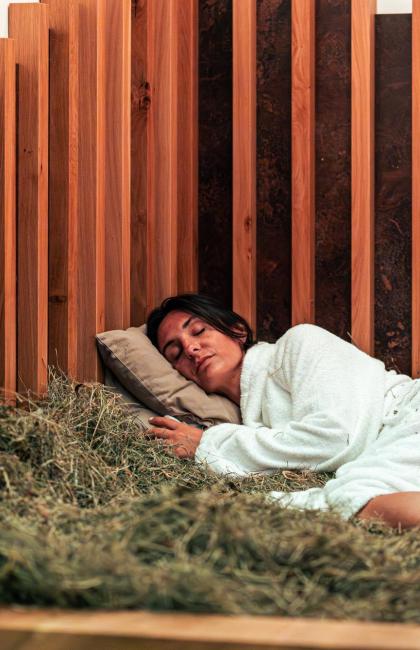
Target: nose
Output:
{"points": [[191, 347]]}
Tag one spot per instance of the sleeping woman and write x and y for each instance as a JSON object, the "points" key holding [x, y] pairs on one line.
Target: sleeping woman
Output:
{"points": [[310, 400]]}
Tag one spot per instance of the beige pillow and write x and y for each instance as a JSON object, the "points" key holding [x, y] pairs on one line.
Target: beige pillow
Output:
{"points": [[150, 378], [140, 413]]}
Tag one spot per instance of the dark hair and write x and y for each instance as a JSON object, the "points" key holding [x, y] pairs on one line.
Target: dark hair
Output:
{"points": [[206, 308]]}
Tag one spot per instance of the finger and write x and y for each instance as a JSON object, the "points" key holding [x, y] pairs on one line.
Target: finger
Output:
{"points": [[156, 432], [163, 422]]}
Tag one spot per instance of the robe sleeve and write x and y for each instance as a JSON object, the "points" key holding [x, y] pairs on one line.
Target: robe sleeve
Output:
{"points": [[337, 394]]}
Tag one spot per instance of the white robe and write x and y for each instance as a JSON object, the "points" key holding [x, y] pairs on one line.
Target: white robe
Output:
{"points": [[312, 400]]}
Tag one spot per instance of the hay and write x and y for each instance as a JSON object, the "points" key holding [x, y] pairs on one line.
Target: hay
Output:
{"points": [[93, 514]]}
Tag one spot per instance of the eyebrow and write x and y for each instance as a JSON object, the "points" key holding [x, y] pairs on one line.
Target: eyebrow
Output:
{"points": [[187, 322]]}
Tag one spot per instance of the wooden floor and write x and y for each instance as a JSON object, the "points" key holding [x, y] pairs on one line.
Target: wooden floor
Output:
{"points": [[24, 629]]}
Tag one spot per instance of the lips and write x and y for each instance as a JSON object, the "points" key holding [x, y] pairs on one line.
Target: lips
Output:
{"points": [[202, 361]]}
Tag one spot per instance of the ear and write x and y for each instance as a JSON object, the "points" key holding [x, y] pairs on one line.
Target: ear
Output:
{"points": [[240, 329]]}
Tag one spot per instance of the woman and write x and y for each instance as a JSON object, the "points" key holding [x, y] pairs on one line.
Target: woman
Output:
{"points": [[310, 400]]}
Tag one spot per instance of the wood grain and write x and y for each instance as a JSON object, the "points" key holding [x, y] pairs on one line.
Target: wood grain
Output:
{"points": [[28, 25], [162, 154], [140, 105], [172, 149], [91, 192], [273, 169], [362, 147], [63, 185], [244, 160], [117, 163], [393, 182], [7, 220], [215, 150], [55, 629], [187, 149], [415, 360], [303, 161], [333, 167]]}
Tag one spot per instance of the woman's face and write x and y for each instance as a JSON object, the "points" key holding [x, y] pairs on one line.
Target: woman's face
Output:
{"points": [[200, 352]]}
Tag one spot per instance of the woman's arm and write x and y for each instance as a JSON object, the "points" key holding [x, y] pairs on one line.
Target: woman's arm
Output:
{"points": [[401, 509]]}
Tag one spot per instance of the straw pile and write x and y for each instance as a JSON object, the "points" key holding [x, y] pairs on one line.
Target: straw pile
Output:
{"points": [[93, 514]]}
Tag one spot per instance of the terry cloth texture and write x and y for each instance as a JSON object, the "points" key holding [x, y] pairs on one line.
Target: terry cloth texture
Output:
{"points": [[314, 401]]}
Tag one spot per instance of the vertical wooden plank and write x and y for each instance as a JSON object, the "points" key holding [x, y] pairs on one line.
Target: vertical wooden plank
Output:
{"points": [[164, 151], [117, 164], [393, 181], [162, 156], [91, 192], [273, 169], [7, 220], [244, 159], [303, 161], [63, 185], [215, 150], [187, 129], [140, 105], [415, 363], [333, 167], [28, 25], [362, 143]]}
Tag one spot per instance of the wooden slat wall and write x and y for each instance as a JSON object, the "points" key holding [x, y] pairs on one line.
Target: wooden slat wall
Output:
{"points": [[117, 163], [362, 147], [244, 160], [7, 219], [415, 368], [28, 25], [303, 161], [91, 190], [63, 185]]}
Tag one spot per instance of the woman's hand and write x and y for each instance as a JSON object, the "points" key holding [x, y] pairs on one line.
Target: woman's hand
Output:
{"points": [[183, 439]]}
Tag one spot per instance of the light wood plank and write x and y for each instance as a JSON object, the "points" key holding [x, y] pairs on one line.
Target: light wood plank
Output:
{"points": [[362, 169], [59, 630], [7, 220], [63, 185], [415, 331], [162, 152], [91, 192], [28, 25], [187, 129], [303, 161], [117, 163], [244, 160], [140, 98]]}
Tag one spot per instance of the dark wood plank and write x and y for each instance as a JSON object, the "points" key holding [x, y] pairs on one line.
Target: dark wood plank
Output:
{"points": [[415, 288], [393, 192], [273, 168], [215, 149], [333, 182]]}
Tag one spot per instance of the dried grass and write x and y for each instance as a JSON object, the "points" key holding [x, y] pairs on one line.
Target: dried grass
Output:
{"points": [[93, 514]]}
